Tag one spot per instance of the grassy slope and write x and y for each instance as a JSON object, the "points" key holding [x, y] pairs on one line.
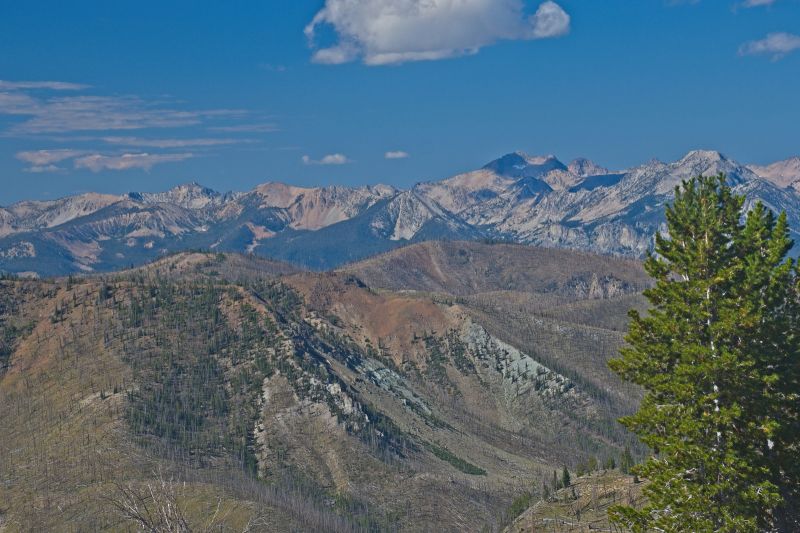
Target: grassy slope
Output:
{"points": [[581, 507]]}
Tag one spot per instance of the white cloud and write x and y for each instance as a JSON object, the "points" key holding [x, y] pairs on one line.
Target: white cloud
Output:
{"points": [[42, 158], [50, 85], [384, 32], [98, 162], [398, 154], [331, 159], [550, 21], [775, 44]]}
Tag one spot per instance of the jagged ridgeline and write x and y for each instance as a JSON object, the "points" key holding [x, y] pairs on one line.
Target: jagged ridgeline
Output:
{"points": [[300, 401], [516, 198]]}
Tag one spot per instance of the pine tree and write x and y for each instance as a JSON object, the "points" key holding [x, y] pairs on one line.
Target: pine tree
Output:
{"points": [[565, 480], [718, 358], [626, 461]]}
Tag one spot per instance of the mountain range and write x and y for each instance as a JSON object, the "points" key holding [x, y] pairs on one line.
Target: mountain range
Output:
{"points": [[517, 198]]}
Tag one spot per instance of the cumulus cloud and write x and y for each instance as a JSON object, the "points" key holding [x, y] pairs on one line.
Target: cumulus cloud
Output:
{"points": [[398, 154], [775, 44], [98, 162], [382, 32], [49, 85], [331, 159]]}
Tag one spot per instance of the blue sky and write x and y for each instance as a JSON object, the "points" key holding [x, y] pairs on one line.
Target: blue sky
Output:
{"points": [[143, 95]]}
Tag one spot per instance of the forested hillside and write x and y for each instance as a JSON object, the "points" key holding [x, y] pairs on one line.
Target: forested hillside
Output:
{"points": [[249, 393]]}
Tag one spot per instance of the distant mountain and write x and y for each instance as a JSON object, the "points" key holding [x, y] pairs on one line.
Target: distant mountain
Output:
{"points": [[467, 268], [585, 168], [782, 173], [188, 196], [516, 198]]}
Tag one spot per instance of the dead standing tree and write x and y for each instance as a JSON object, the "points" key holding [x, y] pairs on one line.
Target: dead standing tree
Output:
{"points": [[152, 506]]}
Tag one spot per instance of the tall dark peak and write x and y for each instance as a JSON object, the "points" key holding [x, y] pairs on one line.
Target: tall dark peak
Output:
{"points": [[520, 165]]}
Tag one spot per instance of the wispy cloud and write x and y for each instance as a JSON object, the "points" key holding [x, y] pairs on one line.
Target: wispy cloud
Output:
{"points": [[381, 32], [139, 142], [98, 162], [41, 110], [756, 3], [398, 154], [41, 169], [247, 128], [776, 45], [57, 113], [270, 67], [331, 159], [99, 113], [50, 85], [744, 3], [45, 160], [46, 157]]}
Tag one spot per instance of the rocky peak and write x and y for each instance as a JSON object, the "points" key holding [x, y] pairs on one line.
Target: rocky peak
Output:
{"points": [[584, 167], [187, 195], [274, 194], [784, 173], [709, 163], [703, 155]]}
